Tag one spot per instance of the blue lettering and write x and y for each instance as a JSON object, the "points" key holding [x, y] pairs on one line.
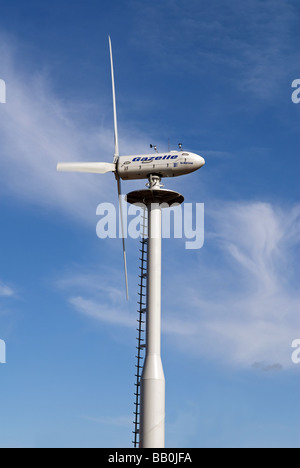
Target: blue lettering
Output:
{"points": [[152, 158]]}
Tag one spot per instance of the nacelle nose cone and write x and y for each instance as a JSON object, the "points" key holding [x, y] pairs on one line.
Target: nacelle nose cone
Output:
{"points": [[199, 160]]}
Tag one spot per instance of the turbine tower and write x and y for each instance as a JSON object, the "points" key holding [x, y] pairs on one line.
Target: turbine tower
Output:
{"points": [[152, 411], [151, 167]]}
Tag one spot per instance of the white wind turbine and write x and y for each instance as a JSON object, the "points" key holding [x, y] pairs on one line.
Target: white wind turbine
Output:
{"points": [[152, 167]]}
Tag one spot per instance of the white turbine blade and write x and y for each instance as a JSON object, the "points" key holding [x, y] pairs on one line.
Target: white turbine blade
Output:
{"points": [[116, 155], [122, 230], [92, 167]]}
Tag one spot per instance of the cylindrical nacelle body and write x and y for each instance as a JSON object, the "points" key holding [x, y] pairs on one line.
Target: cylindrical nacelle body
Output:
{"points": [[172, 164]]}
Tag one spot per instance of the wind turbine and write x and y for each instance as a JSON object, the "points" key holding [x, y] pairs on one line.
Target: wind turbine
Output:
{"points": [[152, 167]]}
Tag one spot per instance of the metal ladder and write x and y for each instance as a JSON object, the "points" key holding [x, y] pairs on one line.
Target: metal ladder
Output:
{"points": [[142, 302]]}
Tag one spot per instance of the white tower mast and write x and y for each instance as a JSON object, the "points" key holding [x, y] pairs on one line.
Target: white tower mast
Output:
{"points": [[152, 427], [152, 431]]}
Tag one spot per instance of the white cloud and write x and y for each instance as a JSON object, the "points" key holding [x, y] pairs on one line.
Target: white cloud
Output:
{"points": [[108, 303], [5, 290], [38, 129], [103, 312], [242, 309], [245, 308], [121, 317], [252, 235]]}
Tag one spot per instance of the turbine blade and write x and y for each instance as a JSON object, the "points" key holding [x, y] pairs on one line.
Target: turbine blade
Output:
{"points": [[116, 155], [122, 229], [92, 167]]}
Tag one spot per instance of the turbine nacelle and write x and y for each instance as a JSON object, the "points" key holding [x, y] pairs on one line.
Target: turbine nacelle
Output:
{"points": [[141, 166], [171, 164]]}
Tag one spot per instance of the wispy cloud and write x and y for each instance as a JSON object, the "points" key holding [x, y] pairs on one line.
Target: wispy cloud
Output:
{"points": [[94, 309], [242, 309], [39, 129], [267, 368], [253, 234], [5, 290], [245, 306], [105, 303], [252, 42]]}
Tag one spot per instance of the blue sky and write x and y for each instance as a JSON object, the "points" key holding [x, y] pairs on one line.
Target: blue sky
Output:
{"points": [[215, 75]]}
